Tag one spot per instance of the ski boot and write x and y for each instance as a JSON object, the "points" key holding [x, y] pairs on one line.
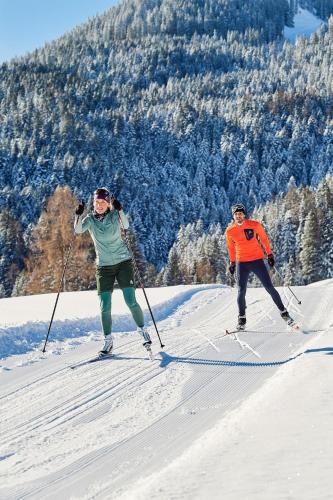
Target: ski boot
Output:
{"points": [[147, 340], [241, 323], [107, 348], [288, 319]]}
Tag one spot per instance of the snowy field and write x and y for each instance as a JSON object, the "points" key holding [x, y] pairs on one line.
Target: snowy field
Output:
{"points": [[305, 23], [206, 419]]}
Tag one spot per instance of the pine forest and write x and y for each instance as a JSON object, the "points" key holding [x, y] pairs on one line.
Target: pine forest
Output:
{"points": [[180, 108]]}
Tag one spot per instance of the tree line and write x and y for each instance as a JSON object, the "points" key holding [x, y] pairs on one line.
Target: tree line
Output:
{"points": [[298, 225]]}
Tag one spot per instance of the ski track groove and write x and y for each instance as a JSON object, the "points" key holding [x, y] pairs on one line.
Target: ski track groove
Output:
{"points": [[50, 416], [47, 376], [84, 388], [99, 453]]}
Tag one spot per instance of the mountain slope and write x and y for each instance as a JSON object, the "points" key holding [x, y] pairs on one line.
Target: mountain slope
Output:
{"points": [[178, 126]]}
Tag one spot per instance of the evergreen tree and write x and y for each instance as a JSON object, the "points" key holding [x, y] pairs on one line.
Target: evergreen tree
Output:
{"points": [[172, 273], [310, 256], [290, 272], [12, 246], [324, 203]]}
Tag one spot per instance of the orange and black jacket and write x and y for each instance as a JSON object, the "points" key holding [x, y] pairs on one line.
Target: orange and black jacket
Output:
{"points": [[245, 241]]}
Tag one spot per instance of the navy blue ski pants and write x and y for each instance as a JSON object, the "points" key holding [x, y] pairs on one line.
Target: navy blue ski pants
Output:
{"points": [[260, 270]]}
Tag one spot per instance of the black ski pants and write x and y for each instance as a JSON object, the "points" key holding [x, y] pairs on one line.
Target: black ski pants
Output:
{"points": [[260, 270]]}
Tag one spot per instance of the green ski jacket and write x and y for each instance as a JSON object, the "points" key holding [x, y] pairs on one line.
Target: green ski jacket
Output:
{"points": [[106, 235]]}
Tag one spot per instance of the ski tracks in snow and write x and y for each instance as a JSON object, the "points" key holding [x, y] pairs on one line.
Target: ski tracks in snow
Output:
{"points": [[65, 432]]}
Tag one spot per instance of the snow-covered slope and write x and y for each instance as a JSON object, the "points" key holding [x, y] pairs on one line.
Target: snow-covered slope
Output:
{"points": [[24, 320], [305, 23], [206, 418]]}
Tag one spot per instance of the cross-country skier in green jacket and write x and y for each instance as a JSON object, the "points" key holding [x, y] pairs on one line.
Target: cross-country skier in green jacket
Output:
{"points": [[113, 261]]}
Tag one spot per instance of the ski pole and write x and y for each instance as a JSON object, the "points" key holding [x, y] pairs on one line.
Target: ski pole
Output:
{"points": [[277, 271], [290, 290], [60, 286], [136, 269]]}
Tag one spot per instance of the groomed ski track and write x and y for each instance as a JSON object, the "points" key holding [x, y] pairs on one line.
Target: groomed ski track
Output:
{"points": [[94, 431]]}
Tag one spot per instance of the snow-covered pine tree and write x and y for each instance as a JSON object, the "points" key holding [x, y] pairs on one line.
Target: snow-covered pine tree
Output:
{"points": [[324, 203], [11, 244], [310, 256], [172, 274]]}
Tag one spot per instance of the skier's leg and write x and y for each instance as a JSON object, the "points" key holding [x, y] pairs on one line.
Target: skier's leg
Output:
{"points": [[129, 296], [105, 308], [105, 276], [125, 278], [260, 270], [136, 311], [242, 278]]}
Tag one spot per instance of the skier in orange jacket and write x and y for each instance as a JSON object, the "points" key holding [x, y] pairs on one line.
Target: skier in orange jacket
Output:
{"points": [[248, 246]]}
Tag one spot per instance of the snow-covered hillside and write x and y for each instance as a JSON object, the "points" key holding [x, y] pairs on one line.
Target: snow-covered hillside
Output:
{"points": [[206, 419], [305, 23]]}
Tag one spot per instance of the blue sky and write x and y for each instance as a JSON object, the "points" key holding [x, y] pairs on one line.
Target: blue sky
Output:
{"points": [[27, 24]]}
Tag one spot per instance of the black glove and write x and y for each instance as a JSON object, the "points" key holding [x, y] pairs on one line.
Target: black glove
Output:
{"points": [[116, 204], [80, 208], [270, 260], [232, 268]]}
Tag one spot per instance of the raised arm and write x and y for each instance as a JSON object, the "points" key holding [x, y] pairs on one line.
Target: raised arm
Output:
{"points": [[118, 207], [81, 225]]}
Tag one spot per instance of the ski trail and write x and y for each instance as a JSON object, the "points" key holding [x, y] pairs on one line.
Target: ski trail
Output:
{"points": [[132, 416]]}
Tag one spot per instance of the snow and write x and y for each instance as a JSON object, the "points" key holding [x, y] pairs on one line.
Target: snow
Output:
{"points": [[76, 316], [206, 419], [305, 23], [283, 433]]}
